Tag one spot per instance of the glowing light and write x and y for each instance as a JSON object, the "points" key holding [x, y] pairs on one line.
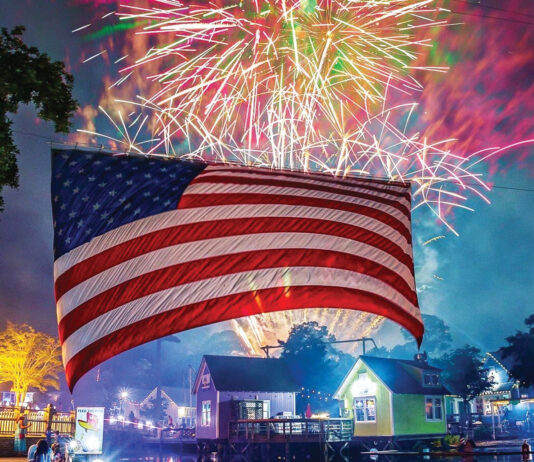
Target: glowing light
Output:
{"points": [[433, 239], [267, 328], [442, 181], [94, 56], [363, 386], [92, 443], [282, 83]]}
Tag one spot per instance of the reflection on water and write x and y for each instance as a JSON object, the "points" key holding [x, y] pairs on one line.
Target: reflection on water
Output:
{"points": [[356, 458], [477, 458]]}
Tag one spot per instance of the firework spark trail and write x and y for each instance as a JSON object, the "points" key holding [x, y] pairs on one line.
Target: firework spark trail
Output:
{"points": [[435, 238], [276, 81], [441, 179], [300, 85], [268, 328]]}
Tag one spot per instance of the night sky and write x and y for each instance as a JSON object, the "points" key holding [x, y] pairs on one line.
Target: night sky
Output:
{"points": [[481, 283]]}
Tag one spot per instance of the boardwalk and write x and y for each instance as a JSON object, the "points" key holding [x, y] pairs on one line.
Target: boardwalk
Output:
{"points": [[61, 421], [291, 430]]}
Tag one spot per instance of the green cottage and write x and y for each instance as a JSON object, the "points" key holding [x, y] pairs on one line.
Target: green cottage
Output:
{"points": [[394, 397]]}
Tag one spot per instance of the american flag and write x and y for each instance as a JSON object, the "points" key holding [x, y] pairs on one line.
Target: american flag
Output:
{"points": [[147, 247]]}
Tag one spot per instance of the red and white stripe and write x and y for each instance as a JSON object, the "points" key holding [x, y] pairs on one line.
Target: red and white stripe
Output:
{"points": [[242, 242]]}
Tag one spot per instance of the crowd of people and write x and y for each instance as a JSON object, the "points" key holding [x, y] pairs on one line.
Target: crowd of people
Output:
{"points": [[45, 450]]}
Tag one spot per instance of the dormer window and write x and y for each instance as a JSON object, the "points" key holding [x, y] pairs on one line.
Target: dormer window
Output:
{"points": [[430, 379]]}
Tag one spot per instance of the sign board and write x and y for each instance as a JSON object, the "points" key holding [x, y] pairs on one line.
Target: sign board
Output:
{"points": [[89, 431]]}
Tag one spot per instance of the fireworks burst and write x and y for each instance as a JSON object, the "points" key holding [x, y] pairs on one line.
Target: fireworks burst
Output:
{"points": [[266, 329], [275, 82], [297, 84], [378, 147]]}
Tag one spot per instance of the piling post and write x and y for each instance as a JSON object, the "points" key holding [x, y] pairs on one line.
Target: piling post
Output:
{"points": [[288, 451]]}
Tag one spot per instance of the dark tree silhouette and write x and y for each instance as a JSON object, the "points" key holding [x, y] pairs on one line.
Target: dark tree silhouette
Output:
{"points": [[464, 374], [308, 352], [436, 342], [520, 350], [437, 339], [316, 364], [29, 76], [154, 410]]}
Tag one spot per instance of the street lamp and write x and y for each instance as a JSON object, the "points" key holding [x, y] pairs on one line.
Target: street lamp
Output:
{"points": [[123, 396]]}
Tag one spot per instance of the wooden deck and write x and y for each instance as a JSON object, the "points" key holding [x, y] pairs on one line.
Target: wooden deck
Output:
{"points": [[291, 430], [61, 421]]}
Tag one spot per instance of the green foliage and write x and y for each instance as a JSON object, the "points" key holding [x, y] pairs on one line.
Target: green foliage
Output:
{"points": [[29, 76], [464, 372], [451, 440], [520, 349]]}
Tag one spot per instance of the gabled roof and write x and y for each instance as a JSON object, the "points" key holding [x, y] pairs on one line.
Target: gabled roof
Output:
{"points": [[506, 364], [240, 373], [496, 357], [397, 375], [138, 395], [179, 396], [506, 386]]}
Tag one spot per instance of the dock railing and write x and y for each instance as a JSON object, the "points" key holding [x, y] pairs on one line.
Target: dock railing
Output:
{"points": [[296, 430], [61, 421]]}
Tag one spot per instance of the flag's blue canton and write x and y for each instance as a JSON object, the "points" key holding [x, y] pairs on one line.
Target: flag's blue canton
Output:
{"points": [[93, 193]]}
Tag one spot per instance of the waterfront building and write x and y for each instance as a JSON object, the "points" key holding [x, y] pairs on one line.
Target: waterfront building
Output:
{"points": [[394, 397], [178, 404], [232, 388]]}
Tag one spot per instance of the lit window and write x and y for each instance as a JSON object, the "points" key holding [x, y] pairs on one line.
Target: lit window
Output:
{"points": [[365, 409], [206, 414], [433, 409], [266, 409], [437, 409]]}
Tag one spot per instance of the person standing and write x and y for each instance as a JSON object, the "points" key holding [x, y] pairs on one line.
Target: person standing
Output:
{"points": [[21, 428], [526, 451], [49, 413]]}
